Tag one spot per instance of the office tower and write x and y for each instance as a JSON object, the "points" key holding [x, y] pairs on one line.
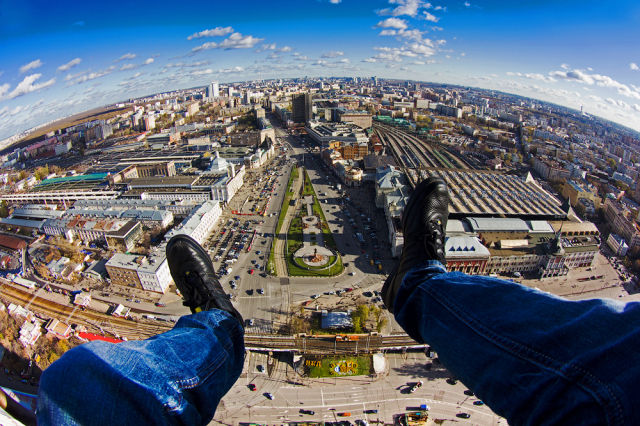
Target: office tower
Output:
{"points": [[301, 108], [213, 90]]}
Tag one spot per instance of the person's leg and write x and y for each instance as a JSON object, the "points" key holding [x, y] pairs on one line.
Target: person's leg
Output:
{"points": [[177, 377], [532, 357]]}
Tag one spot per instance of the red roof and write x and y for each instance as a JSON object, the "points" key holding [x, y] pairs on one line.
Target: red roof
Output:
{"points": [[13, 243], [92, 337]]}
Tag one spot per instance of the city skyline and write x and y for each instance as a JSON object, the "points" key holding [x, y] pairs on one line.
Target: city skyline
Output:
{"points": [[63, 59]]}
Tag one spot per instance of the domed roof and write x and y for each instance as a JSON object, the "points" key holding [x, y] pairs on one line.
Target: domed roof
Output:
{"points": [[218, 163]]}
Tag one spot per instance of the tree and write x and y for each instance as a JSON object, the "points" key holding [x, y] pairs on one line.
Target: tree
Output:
{"points": [[357, 324], [41, 172], [4, 209], [580, 209], [382, 322]]}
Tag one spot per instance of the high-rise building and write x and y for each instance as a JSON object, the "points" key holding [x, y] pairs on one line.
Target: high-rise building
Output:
{"points": [[301, 108], [213, 91]]}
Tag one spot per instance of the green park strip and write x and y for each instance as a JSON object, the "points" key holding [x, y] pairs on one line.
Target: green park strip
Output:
{"points": [[283, 213], [296, 267], [338, 366]]}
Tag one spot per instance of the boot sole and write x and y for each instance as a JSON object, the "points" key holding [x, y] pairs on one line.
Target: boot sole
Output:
{"points": [[191, 242]]}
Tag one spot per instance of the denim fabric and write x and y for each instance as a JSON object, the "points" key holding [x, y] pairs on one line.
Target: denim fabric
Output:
{"points": [[177, 377], [534, 358]]}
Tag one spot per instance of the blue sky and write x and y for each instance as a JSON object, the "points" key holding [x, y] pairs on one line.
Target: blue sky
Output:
{"points": [[59, 58]]}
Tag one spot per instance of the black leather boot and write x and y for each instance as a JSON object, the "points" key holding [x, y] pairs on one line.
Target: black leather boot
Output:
{"points": [[424, 222], [194, 275]]}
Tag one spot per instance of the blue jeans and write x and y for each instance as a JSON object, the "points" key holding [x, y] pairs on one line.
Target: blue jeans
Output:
{"points": [[177, 377], [534, 358]]}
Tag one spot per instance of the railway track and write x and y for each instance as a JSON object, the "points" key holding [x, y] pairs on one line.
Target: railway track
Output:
{"points": [[416, 153], [92, 320], [137, 330]]}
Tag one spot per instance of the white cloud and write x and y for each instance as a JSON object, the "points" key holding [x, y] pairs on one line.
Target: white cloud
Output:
{"points": [[633, 66], [87, 76], [27, 86], [202, 72], [431, 18], [234, 41], [532, 76], [126, 56], [72, 63], [148, 61], [30, 66], [583, 77], [405, 7], [335, 1], [467, 4], [266, 46], [127, 67], [4, 88], [397, 23], [231, 70], [214, 32], [273, 46], [333, 54]]}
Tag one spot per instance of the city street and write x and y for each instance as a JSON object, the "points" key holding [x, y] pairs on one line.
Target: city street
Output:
{"points": [[328, 397]]}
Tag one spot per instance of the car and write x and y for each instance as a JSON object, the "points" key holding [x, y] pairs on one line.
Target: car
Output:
{"points": [[250, 321], [463, 415], [309, 412], [478, 402], [250, 291], [344, 414], [160, 305], [252, 387], [251, 271], [315, 296], [237, 277], [352, 274], [260, 291], [371, 411], [260, 368], [452, 381], [269, 395], [468, 392]]}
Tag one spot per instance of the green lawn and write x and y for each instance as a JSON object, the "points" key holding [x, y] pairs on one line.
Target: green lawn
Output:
{"points": [[297, 271], [294, 239], [283, 212], [338, 366]]}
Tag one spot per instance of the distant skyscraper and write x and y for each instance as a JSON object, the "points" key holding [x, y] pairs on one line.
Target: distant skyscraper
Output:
{"points": [[301, 108], [213, 90]]}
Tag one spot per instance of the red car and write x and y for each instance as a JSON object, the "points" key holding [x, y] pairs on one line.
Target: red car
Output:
{"points": [[160, 305], [252, 387], [251, 271]]}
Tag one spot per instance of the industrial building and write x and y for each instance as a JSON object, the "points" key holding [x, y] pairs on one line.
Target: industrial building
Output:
{"points": [[145, 273], [484, 193]]}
